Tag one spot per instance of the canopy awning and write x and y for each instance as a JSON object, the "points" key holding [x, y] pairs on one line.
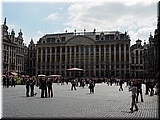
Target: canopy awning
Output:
{"points": [[13, 73], [54, 75], [75, 69], [41, 75]]}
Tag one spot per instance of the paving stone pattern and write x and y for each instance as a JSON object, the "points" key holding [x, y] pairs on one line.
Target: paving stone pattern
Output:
{"points": [[107, 102]]}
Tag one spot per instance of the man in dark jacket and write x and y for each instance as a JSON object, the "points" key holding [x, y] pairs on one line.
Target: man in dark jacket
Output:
{"points": [[32, 83], [91, 86], [43, 88], [27, 87], [73, 82], [121, 83], [139, 90], [50, 90]]}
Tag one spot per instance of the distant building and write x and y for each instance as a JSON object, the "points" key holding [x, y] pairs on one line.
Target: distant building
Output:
{"points": [[100, 54], [31, 58], [13, 50], [136, 66], [151, 52]]}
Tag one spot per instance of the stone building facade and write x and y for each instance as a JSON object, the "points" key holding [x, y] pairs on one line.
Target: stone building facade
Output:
{"points": [[137, 61], [31, 58], [100, 54], [151, 52], [13, 51]]}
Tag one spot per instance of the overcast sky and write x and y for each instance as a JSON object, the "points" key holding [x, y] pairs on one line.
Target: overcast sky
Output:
{"points": [[37, 18]]}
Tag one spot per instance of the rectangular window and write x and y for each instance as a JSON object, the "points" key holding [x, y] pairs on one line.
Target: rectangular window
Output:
{"points": [[92, 48], [68, 49], [43, 50], [122, 47], [82, 48], [77, 48], [39, 50], [48, 50], [102, 49], [53, 49], [63, 39], [122, 56], [58, 49], [97, 37], [63, 49], [97, 48], [63, 57], [72, 48], [112, 48], [87, 49], [107, 48], [106, 37]]}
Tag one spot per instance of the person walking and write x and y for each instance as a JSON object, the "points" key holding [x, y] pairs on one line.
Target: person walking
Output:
{"points": [[139, 90], [50, 90], [120, 84], [133, 88]]}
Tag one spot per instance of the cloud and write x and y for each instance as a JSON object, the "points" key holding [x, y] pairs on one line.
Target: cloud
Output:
{"points": [[52, 16], [139, 18]]}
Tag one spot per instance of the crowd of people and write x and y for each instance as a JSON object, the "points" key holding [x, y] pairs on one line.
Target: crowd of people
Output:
{"points": [[45, 84], [9, 81]]}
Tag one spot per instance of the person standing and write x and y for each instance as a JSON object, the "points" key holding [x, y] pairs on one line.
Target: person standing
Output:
{"points": [[43, 88], [27, 87], [91, 86], [50, 90], [7, 81], [13, 81], [83, 82], [73, 82], [32, 83], [133, 88], [4, 82], [147, 86], [151, 87]]}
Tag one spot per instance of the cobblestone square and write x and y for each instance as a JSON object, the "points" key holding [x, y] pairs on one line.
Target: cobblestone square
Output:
{"points": [[107, 102]]}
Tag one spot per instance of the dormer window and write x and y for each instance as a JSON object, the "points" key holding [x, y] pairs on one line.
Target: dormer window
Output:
{"points": [[117, 35]]}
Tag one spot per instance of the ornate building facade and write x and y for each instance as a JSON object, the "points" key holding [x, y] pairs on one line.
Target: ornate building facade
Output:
{"points": [[137, 61], [100, 54], [31, 58], [151, 52], [13, 51]]}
